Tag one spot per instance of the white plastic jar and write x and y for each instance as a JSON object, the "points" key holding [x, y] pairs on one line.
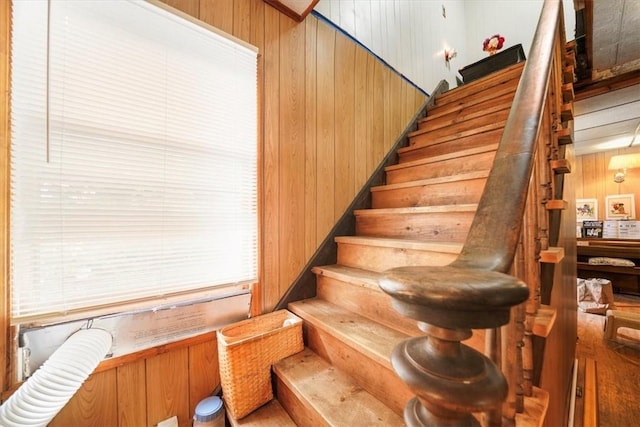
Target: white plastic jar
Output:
{"points": [[209, 413]]}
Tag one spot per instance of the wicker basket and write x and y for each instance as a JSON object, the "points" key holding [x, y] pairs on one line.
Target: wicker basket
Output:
{"points": [[247, 350]]}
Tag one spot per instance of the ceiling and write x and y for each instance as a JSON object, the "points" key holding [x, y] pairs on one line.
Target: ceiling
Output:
{"points": [[607, 106]]}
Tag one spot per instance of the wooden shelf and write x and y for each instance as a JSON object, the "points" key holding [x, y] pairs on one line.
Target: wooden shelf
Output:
{"points": [[634, 271]]}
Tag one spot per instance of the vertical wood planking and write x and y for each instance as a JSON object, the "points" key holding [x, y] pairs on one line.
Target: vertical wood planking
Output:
{"points": [[97, 405], [325, 138], [204, 375], [190, 7], [589, 181], [576, 171], [395, 110], [387, 116], [218, 13], [242, 19], [271, 158], [311, 240], [371, 113], [345, 124], [292, 150], [362, 125], [257, 39], [132, 394], [168, 387], [379, 108]]}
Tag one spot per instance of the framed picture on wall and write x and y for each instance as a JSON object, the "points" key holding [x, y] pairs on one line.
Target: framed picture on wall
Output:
{"points": [[621, 206], [586, 210]]}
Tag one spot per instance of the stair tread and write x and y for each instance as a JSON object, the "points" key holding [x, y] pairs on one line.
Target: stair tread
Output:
{"points": [[272, 414], [371, 338], [330, 392], [465, 207], [480, 85], [445, 247], [442, 157], [437, 180]]}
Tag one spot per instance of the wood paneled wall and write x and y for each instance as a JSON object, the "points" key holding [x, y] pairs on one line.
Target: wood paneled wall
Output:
{"points": [[594, 180], [329, 113], [144, 391]]}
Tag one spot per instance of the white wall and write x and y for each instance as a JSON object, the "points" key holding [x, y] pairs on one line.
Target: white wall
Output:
{"points": [[411, 35]]}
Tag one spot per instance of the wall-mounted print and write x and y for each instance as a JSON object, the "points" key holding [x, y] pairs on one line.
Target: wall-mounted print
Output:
{"points": [[586, 210], [621, 206]]}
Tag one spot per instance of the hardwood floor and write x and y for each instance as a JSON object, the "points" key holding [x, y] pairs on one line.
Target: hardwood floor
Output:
{"points": [[617, 365]]}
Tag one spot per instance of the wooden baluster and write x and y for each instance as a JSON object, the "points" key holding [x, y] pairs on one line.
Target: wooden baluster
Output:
{"points": [[532, 278], [493, 349]]}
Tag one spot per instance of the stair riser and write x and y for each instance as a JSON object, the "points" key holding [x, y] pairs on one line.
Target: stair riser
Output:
{"points": [[440, 227], [301, 413], [489, 106], [376, 378], [472, 101], [476, 162], [472, 141], [378, 304], [379, 259], [458, 129], [447, 193], [486, 84]]}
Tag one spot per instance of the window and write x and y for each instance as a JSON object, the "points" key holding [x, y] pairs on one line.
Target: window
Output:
{"points": [[133, 157]]}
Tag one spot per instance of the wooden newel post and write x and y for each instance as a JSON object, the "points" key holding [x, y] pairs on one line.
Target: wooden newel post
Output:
{"points": [[450, 379]]}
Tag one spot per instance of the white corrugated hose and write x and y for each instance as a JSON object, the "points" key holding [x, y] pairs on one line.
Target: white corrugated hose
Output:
{"points": [[52, 385]]}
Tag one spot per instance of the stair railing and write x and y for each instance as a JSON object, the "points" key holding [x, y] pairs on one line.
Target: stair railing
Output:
{"points": [[451, 380]]}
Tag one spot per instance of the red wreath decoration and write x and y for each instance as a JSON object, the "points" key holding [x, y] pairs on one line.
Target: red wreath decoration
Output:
{"points": [[493, 44]]}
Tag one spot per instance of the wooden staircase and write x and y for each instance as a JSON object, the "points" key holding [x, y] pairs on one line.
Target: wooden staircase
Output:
{"points": [[421, 216]]}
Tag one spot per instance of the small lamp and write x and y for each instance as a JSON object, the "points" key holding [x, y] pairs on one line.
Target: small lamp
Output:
{"points": [[620, 163]]}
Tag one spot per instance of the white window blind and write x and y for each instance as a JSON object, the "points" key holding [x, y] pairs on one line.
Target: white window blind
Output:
{"points": [[133, 156]]}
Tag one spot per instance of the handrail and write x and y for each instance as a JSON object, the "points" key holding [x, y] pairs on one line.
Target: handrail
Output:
{"points": [[495, 230]]}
